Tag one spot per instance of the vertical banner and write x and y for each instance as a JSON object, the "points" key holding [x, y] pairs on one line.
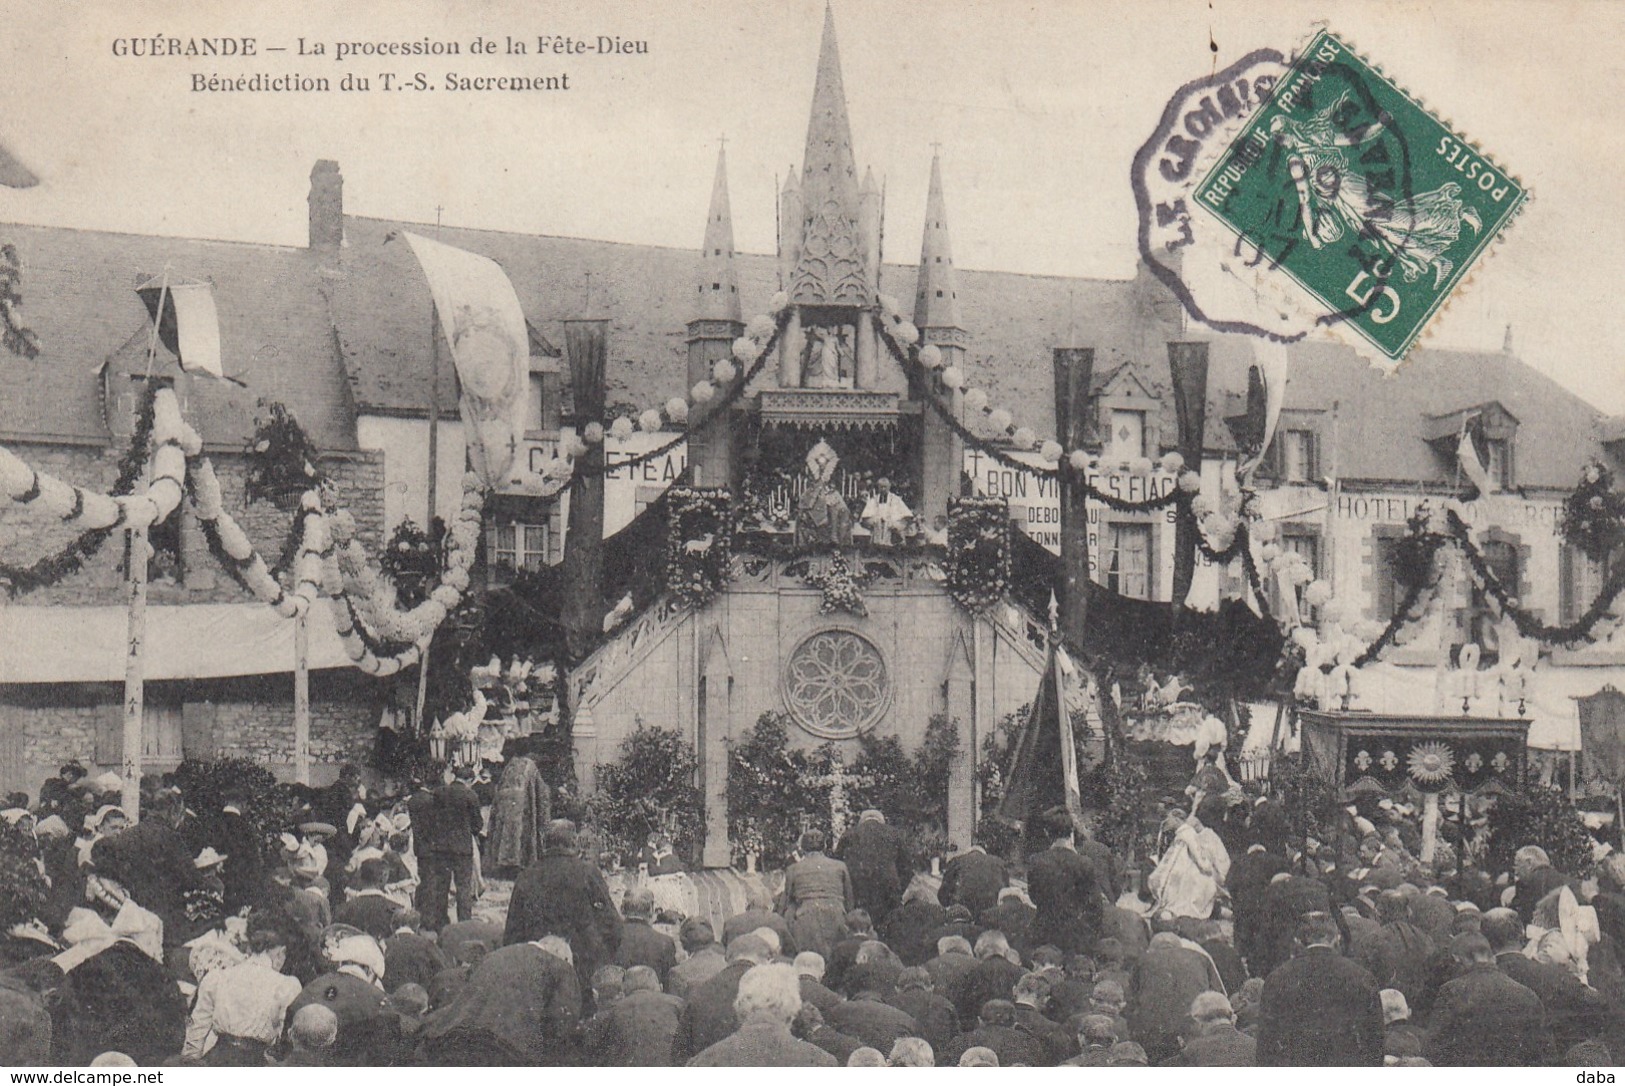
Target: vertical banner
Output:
{"points": [[1187, 362], [585, 346], [490, 346]]}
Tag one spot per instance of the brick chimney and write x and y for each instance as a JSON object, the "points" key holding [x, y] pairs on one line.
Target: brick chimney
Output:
{"points": [[326, 201]]}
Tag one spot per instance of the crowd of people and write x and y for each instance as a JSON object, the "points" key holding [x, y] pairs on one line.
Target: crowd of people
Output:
{"points": [[354, 939]]}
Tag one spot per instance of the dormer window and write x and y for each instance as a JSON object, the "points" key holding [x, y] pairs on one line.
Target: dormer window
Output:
{"points": [[1490, 432], [1128, 434], [1129, 417]]}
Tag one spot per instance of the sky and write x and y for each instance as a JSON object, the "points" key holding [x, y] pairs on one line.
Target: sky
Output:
{"points": [[1038, 109]]}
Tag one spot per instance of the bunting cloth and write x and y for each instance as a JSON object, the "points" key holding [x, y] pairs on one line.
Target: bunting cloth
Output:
{"points": [[1044, 770], [189, 325], [1471, 465], [1268, 378], [490, 346]]}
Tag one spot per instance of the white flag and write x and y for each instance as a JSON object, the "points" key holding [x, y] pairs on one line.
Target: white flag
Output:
{"points": [[485, 328], [189, 325]]}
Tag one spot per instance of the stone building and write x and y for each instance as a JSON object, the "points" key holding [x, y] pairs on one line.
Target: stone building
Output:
{"points": [[342, 331]]}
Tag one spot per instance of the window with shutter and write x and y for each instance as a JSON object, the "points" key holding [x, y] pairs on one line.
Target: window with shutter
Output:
{"points": [[198, 730], [1581, 580], [110, 733]]}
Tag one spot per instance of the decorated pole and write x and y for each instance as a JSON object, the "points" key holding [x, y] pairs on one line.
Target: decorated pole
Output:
{"points": [[1187, 362], [135, 598], [301, 698]]}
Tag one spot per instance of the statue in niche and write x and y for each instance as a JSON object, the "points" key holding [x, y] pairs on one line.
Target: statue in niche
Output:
{"points": [[828, 361], [822, 516]]}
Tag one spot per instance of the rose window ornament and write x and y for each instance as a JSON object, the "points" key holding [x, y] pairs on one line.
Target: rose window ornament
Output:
{"points": [[1362, 761], [836, 684], [1431, 763]]}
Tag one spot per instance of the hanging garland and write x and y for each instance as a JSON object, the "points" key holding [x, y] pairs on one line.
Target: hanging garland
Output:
{"points": [[236, 551], [1528, 625], [1593, 517], [699, 542], [978, 551], [841, 585], [755, 347], [55, 568]]}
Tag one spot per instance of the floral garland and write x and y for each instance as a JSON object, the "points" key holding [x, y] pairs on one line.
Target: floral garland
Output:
{"points": [[237, 554], [1528, 625], [159, 426], [1593, 517], [699, 542], [841, 585], [978, 551], [753, 349], [281, 459], [54, 568]]}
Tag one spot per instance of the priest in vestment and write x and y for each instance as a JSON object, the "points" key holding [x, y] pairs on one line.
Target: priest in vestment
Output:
{"points": [[520, 813], [1187, 879]]}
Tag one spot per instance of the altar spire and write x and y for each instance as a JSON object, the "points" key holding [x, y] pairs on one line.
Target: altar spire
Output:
{"points": [[936, 302], [830, 269]]}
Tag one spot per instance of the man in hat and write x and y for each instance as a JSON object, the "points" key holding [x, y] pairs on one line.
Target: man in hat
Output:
{"points": [[236, 838], [444, 824], [878, 860]]}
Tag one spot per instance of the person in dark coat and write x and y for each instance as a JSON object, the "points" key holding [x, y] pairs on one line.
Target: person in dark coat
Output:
{"points": [[563, 894], [876, 1023], [1574, 1012], [705, 958], [878, 859], [959, 921], [1319, 1009], [765, 1005], [1536, 877], [1164, 982], [485, 1024], [843, 955], [1065, 893], [932, 1012], [120, 999], [1397, 953], [519, 816], [809, 1026], [1104, 862], [244, 849], [759, 914], [154, 866], [973, 879], [370, 1031], [637, 1030], [1287, 900], [995, 1029], [410, 957], [909, 928], [1484, 1018], [993, 977], [954, 959], [1211, 937], [1013, 916], [369, 909], [1055, 1041], [641, 944], [1248, 879], [444, 824], [809, 965], [818, 893], [708, 1016], [1433, 913], [1215, 1040]]}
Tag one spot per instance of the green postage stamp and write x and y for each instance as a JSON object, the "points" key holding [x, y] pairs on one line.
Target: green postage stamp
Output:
{"points": [[1351, 187]]}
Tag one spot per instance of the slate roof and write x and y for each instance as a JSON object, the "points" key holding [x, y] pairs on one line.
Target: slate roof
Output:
{"points": [[277, 332], [79, 298]]}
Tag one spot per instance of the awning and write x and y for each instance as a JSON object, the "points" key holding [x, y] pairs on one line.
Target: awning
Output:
{"points": [[192, 641], [1554, 717]]}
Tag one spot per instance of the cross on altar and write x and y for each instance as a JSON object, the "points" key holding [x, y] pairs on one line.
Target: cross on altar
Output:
{"points": [[837, 780]]}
